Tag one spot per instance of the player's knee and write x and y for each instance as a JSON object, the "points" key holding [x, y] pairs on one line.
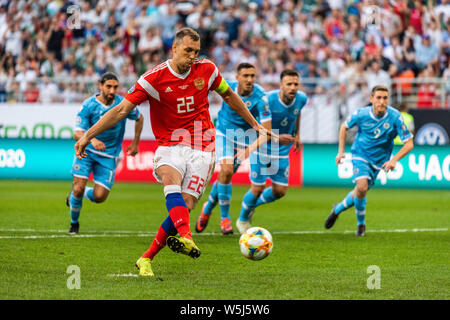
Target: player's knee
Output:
{"points": [[78, 190], [190, 202], [257, 190], [279, 192], [101, 196], [361, 190], [226, 174]]}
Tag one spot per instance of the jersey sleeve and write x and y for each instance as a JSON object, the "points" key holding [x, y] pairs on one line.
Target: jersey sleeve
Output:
{"points": [[215, 80], [352, 119], [82, 119], [402, 129], [137, 94], [264, 111]]}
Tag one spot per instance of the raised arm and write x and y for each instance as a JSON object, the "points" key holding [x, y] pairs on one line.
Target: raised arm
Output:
{"points": [[110, 118]]}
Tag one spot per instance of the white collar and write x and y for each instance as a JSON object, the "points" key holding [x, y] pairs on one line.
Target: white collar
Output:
{"points": [[181, 76], [372, 115]]}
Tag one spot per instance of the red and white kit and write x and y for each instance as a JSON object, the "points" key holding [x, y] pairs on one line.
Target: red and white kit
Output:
{"points": [[180, 119]]}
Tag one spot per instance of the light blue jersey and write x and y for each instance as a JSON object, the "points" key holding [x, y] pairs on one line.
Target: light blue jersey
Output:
{"points": [[91, 111], [284, 120], [228, 119], [374, 140], [272, 160]]}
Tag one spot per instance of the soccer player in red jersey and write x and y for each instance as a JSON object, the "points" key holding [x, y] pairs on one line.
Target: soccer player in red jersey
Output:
{"points": [[177, 91]]}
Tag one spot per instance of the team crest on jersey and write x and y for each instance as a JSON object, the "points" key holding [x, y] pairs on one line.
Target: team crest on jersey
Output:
{"points": [[296, 111], [386, 125], [248, 103], [131, 89], [76, 167], [199, 83]]}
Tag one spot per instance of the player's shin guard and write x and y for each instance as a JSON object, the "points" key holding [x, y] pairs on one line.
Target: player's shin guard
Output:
{"points": [[165, 230], [75, 207], [360, 208], [248, 203], [178, 211], [348, 202], [266, 196], [212, 199], [89, 194], [224, 195]]}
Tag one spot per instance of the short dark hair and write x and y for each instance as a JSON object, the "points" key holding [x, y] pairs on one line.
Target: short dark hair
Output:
{"points": [[186, 32], [108, 76], [244, 65], [379, 88], [289, 72], [403, 106]]}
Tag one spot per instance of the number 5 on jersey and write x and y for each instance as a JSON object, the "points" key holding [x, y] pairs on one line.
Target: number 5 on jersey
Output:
{"points": [[184, 104]]}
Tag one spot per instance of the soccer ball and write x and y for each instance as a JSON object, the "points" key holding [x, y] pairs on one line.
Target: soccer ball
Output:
{"points": [[256, 243]]}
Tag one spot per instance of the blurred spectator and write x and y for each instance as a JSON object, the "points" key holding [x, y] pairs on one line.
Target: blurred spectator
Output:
{"points": [[150, 42], [24, 76], [426, 51], [335, 64], [442, 10], [336, 39], [31, 93], [427, 91], [375, 75], [48, 91]]}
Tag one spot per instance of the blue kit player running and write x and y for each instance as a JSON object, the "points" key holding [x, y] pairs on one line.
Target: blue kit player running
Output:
{"points": [[233, 133], [271, 161], [378, 125], [104, 150]]}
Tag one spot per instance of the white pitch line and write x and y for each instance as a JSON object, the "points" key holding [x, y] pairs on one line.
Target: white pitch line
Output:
{"points": [[123, 275], [150, 234]]}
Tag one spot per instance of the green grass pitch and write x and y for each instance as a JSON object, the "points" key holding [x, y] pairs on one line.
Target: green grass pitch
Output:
{"points": [[407, 238]]}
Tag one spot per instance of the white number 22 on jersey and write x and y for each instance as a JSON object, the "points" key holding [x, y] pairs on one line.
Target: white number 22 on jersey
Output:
{"points": [[184, 104]]}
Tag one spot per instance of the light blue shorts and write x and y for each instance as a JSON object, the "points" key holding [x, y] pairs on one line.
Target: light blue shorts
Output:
{"points": [[263, 168], [363, 169], [102, 168]]}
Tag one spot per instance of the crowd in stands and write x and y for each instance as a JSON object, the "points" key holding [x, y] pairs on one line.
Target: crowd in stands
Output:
{"points": [[54, 51]]}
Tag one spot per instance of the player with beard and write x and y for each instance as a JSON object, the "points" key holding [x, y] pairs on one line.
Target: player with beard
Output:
{"points": [[103, 151]]}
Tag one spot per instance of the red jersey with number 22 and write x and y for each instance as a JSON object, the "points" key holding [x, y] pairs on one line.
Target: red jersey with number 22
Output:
{"points": [[179, 105]]}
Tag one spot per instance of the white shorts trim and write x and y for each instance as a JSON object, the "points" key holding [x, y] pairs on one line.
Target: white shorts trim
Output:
{"points": [[101, 184], [362, 177], [79, 176], [258, 183], [280, 183], [164, 164]]}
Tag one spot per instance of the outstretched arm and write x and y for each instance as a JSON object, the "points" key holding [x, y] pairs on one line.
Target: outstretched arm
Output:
{"points": [[236, 103], [110, 118]]}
